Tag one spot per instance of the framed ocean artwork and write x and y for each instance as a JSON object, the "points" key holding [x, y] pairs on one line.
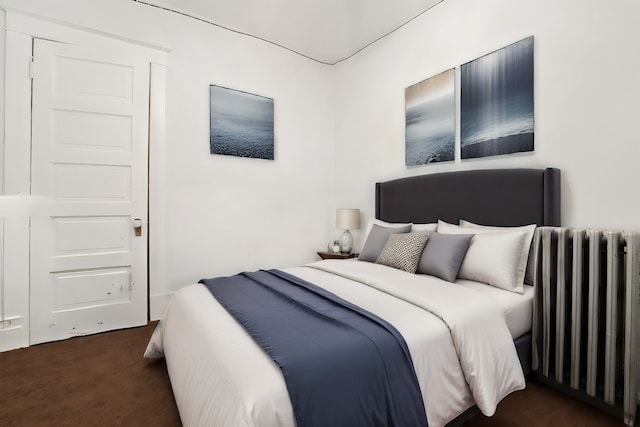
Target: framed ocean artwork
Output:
{"points": [[430, 128], [241, 124], [496, 102]]}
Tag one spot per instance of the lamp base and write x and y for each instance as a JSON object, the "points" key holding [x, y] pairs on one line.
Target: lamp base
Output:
{"points": [[346, 242]]}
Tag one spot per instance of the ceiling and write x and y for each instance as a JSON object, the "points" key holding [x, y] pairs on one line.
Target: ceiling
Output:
{"points": [[327, 31]]}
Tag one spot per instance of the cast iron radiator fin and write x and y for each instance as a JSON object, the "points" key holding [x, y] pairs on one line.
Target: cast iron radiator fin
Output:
{"points": [[586, 316]]}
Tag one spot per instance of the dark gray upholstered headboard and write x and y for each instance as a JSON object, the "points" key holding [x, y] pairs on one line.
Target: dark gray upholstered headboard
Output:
{"points": [[504, 197]]}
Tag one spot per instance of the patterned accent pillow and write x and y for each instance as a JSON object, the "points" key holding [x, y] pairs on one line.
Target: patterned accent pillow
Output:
{"points": [[402, 251]]}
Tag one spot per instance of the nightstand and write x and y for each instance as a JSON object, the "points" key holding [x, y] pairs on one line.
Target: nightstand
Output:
{"points": [[335, 255]]}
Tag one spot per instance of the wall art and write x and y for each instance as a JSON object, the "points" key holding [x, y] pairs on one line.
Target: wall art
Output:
{"points": [[496, 102], [241, 124], [430, 128]]}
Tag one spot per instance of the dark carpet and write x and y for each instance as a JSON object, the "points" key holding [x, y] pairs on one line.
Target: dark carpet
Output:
{"points": [[102, 380]]}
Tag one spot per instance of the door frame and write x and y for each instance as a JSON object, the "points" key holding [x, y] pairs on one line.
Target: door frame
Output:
{"points": [[20, 30]]}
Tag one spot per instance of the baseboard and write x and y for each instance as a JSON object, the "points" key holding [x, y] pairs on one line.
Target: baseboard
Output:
{"points": [[13, 334], [158, 305]]}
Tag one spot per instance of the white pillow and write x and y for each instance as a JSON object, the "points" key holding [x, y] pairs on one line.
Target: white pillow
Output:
{"points": [[424, 228], [495, 258], [530, 229]]}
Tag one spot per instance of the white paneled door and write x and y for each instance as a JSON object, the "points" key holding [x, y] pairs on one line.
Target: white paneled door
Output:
{"points": [[89, 170]]}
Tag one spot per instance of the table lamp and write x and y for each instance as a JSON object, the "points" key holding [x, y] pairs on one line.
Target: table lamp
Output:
{"points": [[347, 219]]}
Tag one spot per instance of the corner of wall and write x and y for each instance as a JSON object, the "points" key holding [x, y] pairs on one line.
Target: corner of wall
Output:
{"points": [[158, 305]]}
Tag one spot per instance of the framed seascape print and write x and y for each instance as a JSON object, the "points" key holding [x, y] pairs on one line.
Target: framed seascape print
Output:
{"points": [[241, 124], [496, 102], [430, 129]]}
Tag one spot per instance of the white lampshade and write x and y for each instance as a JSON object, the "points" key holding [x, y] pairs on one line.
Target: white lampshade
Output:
{"points": [[348, 219]]}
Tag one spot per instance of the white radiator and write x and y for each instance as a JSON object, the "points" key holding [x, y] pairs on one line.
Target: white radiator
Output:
{"points": [[586, 316]]}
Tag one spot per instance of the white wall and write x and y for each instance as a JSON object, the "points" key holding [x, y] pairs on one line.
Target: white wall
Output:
{"points": [[216, 215], [587, 114]]}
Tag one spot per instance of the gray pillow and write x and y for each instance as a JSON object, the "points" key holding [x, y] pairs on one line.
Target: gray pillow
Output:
{"points": [[443, 255], [402, 251], [376, 240]]}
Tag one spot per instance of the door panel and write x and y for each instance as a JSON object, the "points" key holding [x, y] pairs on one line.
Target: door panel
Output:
{"points": [[97, 79], [89, 165], [90, 182], [73, 129], [87, 288], [91, 235]]}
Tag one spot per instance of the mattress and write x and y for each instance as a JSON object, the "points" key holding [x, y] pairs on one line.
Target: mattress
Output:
{"points": [[221, 377]]}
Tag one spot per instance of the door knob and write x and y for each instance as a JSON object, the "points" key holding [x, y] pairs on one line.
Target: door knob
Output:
{"points": [[137, 226]]}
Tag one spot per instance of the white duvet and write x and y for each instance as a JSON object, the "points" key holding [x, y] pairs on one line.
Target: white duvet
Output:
{"points": [[461, 347]]}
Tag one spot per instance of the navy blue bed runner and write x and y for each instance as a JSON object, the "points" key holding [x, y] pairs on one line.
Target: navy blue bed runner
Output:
{"points": [[343, 366]]}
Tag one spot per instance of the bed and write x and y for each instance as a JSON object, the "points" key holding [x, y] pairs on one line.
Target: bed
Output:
{"points": [[220, 376]]}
